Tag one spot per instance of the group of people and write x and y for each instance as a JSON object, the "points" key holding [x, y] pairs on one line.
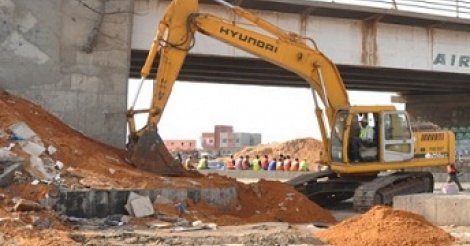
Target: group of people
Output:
{"points": [[283, 163]]}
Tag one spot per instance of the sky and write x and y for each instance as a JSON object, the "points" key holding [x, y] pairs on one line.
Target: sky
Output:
{"points": [[278, 113]]}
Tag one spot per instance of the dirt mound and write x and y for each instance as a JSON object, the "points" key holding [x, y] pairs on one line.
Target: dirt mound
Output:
{"points": [[303, 148], [258, 202], [384, 226], [97, 165]]}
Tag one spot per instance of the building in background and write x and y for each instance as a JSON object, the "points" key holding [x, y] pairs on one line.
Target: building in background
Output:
{"points": [[224, 141], [180, 145]]}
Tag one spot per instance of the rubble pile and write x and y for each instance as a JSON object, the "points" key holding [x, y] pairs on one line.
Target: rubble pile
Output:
{"points": [[384, 226], [40, 155], [304, 148]]}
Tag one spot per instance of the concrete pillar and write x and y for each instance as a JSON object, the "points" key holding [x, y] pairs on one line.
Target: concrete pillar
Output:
{"points": [[443, 110], [42, 58]]}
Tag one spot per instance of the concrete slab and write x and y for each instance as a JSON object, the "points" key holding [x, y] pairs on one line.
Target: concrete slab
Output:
{"points": [[439, 209], [89, 203], [8, 174], [142, 207]]}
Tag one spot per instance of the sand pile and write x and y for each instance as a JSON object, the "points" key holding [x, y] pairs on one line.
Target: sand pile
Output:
{"points": [[304, 148], [384, 226]]}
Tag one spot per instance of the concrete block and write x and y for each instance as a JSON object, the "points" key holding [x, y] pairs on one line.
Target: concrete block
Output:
{"points": [[8, 174], [7, 156], [453, 210], [439, 209], [22, 130], [33, 148], [142, 207]]}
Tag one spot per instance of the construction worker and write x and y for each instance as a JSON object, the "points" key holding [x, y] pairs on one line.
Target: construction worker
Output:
{"points": [[280, 164], [367, 132], [272, 165], [303, 167], [188, 163], [452, 171], [287, 163], [255, 164], [295, 165], [239, 163], [231, 163], [265, 162], [202, 163], [246, 163]]}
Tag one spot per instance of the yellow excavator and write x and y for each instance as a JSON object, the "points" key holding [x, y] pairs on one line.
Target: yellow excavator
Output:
{"points": [[361, 143]]}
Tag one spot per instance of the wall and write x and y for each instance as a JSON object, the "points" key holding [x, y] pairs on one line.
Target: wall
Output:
{"points": [[41, 59]]}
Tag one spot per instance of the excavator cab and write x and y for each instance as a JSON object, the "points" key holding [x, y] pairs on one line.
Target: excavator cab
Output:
{"points": [[364, 135], [378, 138]]}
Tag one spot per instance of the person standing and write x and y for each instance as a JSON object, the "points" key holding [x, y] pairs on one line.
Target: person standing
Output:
{"points": [[188, 163], [239, 163], [265, 162], [255, 165], [287, 163], [202, 163], [231, 163], [295, 165], [272, 165], [280, 165], [452, 172], [246, 163], [303, 167]]}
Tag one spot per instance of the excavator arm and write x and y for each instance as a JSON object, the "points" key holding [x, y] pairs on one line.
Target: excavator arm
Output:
{"points": [[175, 36]]}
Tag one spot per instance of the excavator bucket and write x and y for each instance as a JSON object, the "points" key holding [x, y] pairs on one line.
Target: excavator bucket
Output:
{"points": [[149, 153]]}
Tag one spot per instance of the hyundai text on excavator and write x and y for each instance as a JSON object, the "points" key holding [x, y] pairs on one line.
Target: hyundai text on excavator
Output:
{"points": [[356, 165]]}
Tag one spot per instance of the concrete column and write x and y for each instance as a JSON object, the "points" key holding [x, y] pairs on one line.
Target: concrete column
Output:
{"points": [[42, 59], [443, 110]]}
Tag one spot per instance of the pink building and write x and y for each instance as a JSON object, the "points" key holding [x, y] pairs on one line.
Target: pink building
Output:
{"points": [[208, 141], [223, 141], [180, 145]]}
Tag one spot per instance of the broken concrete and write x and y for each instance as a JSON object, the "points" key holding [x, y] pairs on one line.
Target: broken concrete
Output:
{"points": [[32, 148], [8, 174], [88, 203], [142, 207], [7, 156], [22, 131]]}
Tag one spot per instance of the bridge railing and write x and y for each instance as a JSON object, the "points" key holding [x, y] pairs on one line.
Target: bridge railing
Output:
{"points": [[449, 8]]}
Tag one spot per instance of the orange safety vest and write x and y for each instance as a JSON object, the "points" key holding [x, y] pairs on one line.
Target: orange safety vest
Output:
{"points": [[451, 168], [231, 164]]}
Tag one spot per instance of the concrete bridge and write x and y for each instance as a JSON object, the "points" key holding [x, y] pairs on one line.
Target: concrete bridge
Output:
{"points": [[375, 49]]}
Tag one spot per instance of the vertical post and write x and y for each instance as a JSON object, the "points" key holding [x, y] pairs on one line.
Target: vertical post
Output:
{"points": [[321, 123], [394, 3]]}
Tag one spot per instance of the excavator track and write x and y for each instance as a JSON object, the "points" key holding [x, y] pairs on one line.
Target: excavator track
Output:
{"points": [[382, 189], [328, 188]]}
